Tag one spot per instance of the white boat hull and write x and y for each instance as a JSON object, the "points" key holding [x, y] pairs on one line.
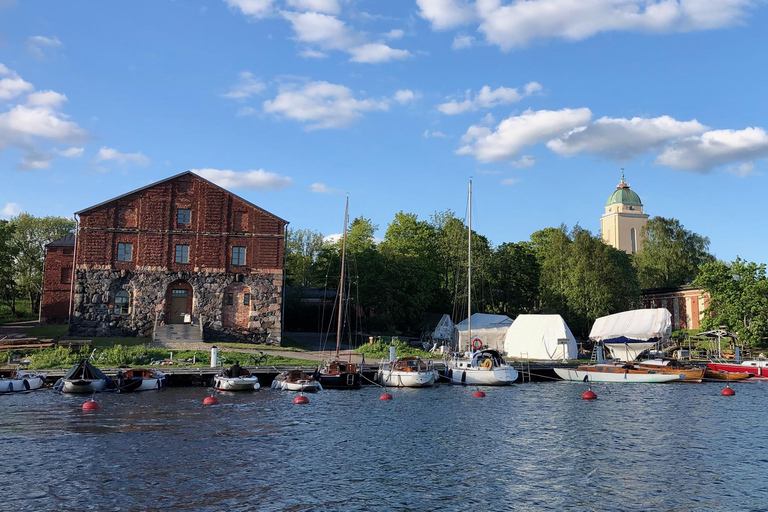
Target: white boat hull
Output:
{"points": [[25, 383], [401, 379], [236, 383], [482, 377], [83, 386], [577, 375], [150, 383], [296, 386]]}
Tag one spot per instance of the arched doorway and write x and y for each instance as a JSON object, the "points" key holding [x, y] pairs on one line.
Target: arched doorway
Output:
{"points": [[236, 307], [178, 302]]}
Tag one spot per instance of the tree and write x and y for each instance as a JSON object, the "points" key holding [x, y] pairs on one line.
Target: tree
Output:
{"points": [[671, 255], [302, 247], [515, 279], [32, 234], [8, 252], [551, 246], [738, 298]]}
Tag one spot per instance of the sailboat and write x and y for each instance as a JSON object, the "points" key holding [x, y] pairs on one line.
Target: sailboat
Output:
{"points": [[338, 374], [476, 366]]}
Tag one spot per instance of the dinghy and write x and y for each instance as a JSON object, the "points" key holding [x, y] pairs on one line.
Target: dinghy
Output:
{"points": [[22, 381], [296, 380], [139, 380], [83, 378], [235, 378]]}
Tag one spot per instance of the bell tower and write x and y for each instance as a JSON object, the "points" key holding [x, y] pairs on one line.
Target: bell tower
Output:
{"points": [[623, 219]]}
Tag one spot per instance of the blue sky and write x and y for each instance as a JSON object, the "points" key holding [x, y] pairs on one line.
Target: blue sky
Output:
{"points": [[294, 103]]}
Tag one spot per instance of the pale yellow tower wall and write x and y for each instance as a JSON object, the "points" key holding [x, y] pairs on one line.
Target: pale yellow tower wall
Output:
{"points": [[616, 227]]}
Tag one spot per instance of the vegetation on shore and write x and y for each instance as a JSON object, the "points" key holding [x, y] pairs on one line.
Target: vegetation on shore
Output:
{"points": [[380, 349]]}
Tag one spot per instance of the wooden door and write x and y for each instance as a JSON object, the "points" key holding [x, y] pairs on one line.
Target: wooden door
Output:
{"points": [[180, 306]]}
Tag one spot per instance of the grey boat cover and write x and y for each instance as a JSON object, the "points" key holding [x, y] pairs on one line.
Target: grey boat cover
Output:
{"points": [[84, 370]]}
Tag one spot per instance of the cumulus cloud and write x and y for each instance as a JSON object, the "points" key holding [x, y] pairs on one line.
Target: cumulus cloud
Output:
{"points": [[324, 6], [377, 52], [715, 148], [394, 34], [72, 152], [327, 32], [46, 99], [249, 180], [404, 96], [309, 53], [10, 210], [517, 132], [35, 160], [322, 105], [37, 45], [488, 98], [742, 170], [320, 188], [446, 14], [11, 85], [462, 41], [253, 8], [247, 85], [623, 139], [106, 153], [524, 161]]}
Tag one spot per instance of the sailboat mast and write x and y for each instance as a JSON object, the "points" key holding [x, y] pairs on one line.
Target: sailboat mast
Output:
{"points": [[341, 279], [469, 271]]}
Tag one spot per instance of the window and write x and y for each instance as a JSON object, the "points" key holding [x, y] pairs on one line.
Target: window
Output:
{"points": [[183, 216], [182, 254], [230, 299], [238, 255], [66, 275], [247, 299], [633, 240], [179, 294], [124, 252], [122, 303]]}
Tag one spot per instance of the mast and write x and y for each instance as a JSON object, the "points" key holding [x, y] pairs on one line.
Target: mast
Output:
{"points": [[469, 271], [341, 279]]}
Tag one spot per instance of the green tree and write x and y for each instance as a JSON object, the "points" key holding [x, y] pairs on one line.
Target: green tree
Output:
{"points": [[8, 253], [670, 255], [302, 246], [551, 246], [738, 298], [515, 279], [32, 234]]}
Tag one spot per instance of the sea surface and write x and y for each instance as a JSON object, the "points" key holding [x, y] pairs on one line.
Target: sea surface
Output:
{"points": [[537, 446]]}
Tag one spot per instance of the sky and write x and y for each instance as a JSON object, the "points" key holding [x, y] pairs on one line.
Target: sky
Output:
{"points": [[293, 104]]}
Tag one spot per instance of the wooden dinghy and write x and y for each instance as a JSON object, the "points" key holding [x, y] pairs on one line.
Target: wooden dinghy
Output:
{"points": [[672, 366], [723, 375]]}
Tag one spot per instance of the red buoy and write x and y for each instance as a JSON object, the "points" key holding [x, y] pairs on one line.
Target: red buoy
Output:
{"points": [[385, 396], [301, 399], [91, 405], [728, 391], [479, 394], [211, 400], [589, 395]]}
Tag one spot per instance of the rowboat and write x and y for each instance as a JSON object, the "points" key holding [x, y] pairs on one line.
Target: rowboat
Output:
{"points": [[296, 380], [672, 366], [723, 375], [606, 372], [139, 380], [21, 381], [235, 378], [83, 378]]}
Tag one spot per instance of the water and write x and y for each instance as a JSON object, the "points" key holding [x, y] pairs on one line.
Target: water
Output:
{"points": [[528, 447]]}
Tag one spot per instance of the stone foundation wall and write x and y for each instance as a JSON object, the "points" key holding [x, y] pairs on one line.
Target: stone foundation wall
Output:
{"points": [[94, 303]]}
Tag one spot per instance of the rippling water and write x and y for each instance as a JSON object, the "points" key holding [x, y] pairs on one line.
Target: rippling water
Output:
{"points": [[527, 447]]}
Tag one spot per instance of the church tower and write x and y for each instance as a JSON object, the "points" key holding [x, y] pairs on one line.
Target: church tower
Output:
{"points": [[623, 219]]}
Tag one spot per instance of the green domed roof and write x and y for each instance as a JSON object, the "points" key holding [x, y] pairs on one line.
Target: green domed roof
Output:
{"points": [[623, 195]]}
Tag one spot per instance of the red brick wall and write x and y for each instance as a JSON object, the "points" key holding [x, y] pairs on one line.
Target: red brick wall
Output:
{"points": [[56, 284]]}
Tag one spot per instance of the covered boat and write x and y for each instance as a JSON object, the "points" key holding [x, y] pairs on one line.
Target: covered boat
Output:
{"points": [[83, 378], [540, 337], [408, 372], [139, 380], [630, 333], [482, 330], [483, 368], [296, 380], [235, 378], [22, 381], [607, 372]]}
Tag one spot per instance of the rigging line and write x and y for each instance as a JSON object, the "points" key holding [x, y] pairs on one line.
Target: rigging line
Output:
{"points": [[322, 321]]}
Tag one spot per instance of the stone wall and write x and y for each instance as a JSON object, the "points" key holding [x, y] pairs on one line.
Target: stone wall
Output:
{"points": [[94, 302]]}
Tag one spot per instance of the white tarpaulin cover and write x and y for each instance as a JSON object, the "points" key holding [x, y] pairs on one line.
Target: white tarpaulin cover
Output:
{"points": [[490, 329], [629, 333], [537, 336], [445, 331]]}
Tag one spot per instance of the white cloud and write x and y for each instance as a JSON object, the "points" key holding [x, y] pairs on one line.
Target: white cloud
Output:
{"points": [[106, 153], [245, 111], [404, 96], [248, 180], [46, 99], [12, 85], [325, 6], [34, 160], [715, 148], [253, 8], [445, 14], [742, 170], [23, 122], [623, 139], [10, 210], [72, 152], [517, 132], [377, 52], [524, 161], [327, 32], [37, 45], [510, 181], [320, 188], [245, 87], [488, 98], [322, 105], [427, 134], [309, 53], [462, 41], [394, 34]]}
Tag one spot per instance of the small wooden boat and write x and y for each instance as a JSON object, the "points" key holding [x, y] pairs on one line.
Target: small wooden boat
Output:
{"points": [[22, 381], [407, 372], [340, 375], [672, 366], [139, 380], [723, 375], [83, 378], [296, 380], [235, 378], [607, 372]]}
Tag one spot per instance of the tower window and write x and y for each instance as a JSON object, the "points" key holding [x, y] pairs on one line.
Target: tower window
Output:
{"points": [[633, 239]]}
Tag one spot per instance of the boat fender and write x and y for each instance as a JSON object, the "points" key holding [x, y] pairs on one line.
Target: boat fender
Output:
{"points": [[158, 383], [487, 364], [213, 382], [449, 371], [10, 386], [464, 377], [25, 383]]}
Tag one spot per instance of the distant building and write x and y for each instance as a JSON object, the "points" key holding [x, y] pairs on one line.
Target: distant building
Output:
{"points": [[623, 220], [177, 251], [685, 303]]}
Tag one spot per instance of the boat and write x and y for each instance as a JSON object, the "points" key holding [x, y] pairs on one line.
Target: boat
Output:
{"points": [[476, 366], [337, 374], [21, 381], [83, 378], [723, 375], [406, 372], [672, 366], [610, 372], [630, 333], [754, 367], [139, 380], [296, 380], [235, 378]]}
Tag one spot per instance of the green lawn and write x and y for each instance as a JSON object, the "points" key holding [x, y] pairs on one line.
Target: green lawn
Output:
{"points": [[22, 313]]}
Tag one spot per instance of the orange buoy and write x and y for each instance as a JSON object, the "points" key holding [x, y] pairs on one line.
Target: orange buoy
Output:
{"points": [[728, 391], [91, 405], [301, 400], [479, 394], [589, 395], [385, 396], [211, 400]]}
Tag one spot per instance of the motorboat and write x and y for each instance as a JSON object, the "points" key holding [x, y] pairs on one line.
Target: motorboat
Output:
{"points": [[296, 380], [340, 375], [673, 366], [235, 378], [21, 381], [483, 368], [755, 367], [406, 372], [139, 380], [83, 378], [611, 372]]}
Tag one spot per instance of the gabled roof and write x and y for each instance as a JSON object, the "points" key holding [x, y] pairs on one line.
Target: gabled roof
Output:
{"points": [[190, 173], [67, 240]]}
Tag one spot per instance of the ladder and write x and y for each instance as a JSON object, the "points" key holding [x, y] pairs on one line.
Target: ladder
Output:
{"points": [[593, 357]]}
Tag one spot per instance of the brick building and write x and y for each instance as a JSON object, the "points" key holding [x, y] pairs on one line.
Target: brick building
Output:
{"points": [[685, 303], [57, 280], [179, 250]]}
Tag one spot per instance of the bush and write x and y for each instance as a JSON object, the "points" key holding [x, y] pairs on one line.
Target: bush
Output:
{"points": [[380, 349]]}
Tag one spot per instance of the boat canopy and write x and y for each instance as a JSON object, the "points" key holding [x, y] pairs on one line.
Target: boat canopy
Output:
{"points": [[84, 370], [542, 337], [489, 329], [651, 325], [445, 331]]}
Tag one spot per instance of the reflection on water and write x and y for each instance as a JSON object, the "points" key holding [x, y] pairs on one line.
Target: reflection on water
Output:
{"points": [[527, 447]]}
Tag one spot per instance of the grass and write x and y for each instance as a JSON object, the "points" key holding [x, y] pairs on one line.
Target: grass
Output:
{"points": [[22, 313], [47, 331]]}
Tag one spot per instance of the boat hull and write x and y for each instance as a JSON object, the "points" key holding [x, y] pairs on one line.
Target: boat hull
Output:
{"points": [[483, 377], [723, 375], [757, 371], [25, 383], [401, 379], [593, 376], [306, 387], [341, 381], [83, 385], [236, 383]]}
